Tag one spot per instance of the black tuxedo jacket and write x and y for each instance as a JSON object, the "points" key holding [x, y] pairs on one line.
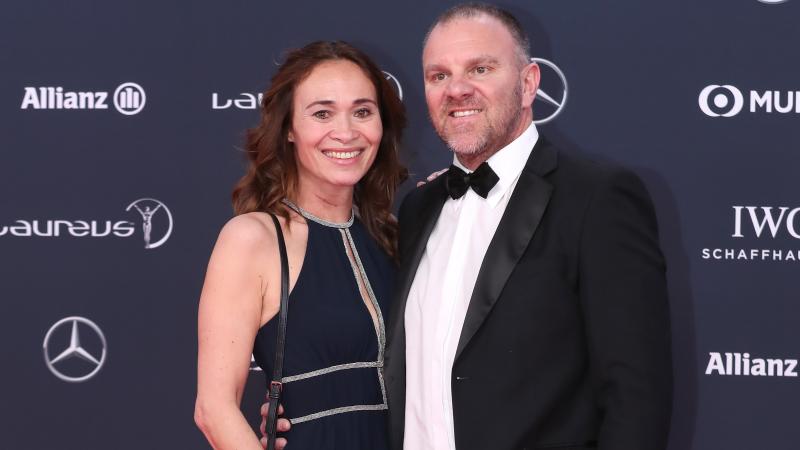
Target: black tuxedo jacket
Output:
{"points": [[566, 341]]}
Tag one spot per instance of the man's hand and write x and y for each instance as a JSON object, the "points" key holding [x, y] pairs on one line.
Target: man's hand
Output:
{"points": [[431, 177], [283, 425]]}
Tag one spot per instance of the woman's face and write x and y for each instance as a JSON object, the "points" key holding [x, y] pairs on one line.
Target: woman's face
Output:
{"points": [[336, 126]]}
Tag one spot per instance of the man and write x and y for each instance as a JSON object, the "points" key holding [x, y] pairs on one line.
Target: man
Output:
{"points": [[532, 307]]}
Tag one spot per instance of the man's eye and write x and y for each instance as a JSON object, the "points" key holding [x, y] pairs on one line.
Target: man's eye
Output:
{"points": [[363, 113], [481, 70], [439, 77], [323, 114]]}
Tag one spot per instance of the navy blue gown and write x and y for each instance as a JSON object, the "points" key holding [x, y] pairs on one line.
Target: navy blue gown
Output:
{"points": [[333, 387]]}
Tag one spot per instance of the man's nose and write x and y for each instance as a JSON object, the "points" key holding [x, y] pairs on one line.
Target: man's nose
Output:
{"points": [[459, 88]]}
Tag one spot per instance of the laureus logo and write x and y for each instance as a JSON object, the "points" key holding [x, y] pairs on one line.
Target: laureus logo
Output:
{"points": [[147, 208], [74, 349], [552, 95], [155, 218], [250, 100]]}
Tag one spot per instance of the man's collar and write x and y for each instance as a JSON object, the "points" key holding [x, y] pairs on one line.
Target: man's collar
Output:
{"points": [[508, 162]]}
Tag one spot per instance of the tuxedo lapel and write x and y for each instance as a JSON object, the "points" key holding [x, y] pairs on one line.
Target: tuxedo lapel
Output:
{"points": [[522, 216]]}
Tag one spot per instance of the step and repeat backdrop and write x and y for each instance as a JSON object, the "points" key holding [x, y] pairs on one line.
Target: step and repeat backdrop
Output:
{"points": [[121, 126]]}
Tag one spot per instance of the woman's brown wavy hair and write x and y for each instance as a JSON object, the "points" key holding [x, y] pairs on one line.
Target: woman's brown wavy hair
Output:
{"points": [[272, 170]]}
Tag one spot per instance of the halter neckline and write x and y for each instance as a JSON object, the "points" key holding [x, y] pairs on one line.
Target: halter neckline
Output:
{"points": [[319, 220]]}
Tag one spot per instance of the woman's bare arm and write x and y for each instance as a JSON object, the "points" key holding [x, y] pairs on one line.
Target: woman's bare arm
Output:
{"points": [[237, 293]]}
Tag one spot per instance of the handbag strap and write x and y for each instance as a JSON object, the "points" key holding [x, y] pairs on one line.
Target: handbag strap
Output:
{"points": [[275, 385]]}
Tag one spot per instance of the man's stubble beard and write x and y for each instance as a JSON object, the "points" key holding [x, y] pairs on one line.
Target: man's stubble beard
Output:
{"points": [[495, 134]]}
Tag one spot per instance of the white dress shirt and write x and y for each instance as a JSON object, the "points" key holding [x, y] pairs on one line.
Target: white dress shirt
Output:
{"points": [[440, 294]]}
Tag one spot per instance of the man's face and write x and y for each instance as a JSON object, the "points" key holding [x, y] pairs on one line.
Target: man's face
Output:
{"points": [[478, 90]]}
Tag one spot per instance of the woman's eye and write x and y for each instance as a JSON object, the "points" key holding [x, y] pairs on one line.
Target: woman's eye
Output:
{"points": [[363, 113], [323, 114]]}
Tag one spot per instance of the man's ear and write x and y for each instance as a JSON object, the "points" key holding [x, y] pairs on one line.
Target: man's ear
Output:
{"points": [[530, 78]]}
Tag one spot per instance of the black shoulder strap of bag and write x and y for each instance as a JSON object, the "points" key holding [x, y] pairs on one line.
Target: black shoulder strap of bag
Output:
{"points": [[275, 386]]}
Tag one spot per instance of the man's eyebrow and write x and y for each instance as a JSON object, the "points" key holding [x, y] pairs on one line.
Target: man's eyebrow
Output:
{"points": [[432, 67], [483, 59], [480, 59]]}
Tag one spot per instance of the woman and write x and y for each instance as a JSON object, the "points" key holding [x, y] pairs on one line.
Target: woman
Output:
{"points": [[326, 149]]}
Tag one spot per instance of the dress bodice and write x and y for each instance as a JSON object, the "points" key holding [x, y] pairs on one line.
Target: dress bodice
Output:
{"points": [[333, 387]]}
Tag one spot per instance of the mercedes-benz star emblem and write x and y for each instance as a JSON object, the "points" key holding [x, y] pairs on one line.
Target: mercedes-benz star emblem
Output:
{"points": [[393, 79], [86, 349], [254, 365], [549, 92]]}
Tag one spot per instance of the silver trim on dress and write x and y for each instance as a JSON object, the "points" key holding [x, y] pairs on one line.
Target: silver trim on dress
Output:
{"points": [[360, 274]]}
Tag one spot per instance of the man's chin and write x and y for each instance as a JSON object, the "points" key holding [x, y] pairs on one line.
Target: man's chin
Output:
{"points": [[466, 148]]}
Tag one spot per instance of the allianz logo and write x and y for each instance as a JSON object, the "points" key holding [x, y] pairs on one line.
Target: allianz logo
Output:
{"points": [[727, 101], [761, 218], [742, 364], [128, 99]]}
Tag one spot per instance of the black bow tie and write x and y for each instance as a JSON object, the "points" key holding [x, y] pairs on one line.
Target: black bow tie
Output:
{"points": [[481, 181]]}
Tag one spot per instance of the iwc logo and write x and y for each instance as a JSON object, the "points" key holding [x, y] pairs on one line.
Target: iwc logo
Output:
{"points": [[74, 349], [552, 92], [760, 233]]}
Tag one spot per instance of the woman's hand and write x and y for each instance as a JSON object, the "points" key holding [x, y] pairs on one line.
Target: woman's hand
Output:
{"points": [[431, 177], [283, 426]]}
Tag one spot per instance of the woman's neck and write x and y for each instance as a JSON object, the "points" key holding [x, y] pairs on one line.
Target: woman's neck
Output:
{"points": [[334, 205]]}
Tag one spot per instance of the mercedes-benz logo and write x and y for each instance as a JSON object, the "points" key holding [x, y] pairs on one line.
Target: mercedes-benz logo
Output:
{"points": [[86, 349], [254, 365], [393, 79], [551, 95]]}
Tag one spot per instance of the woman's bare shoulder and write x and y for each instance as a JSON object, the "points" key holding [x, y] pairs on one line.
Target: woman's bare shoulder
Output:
{"points": [[246, 237], [253, 233]]}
